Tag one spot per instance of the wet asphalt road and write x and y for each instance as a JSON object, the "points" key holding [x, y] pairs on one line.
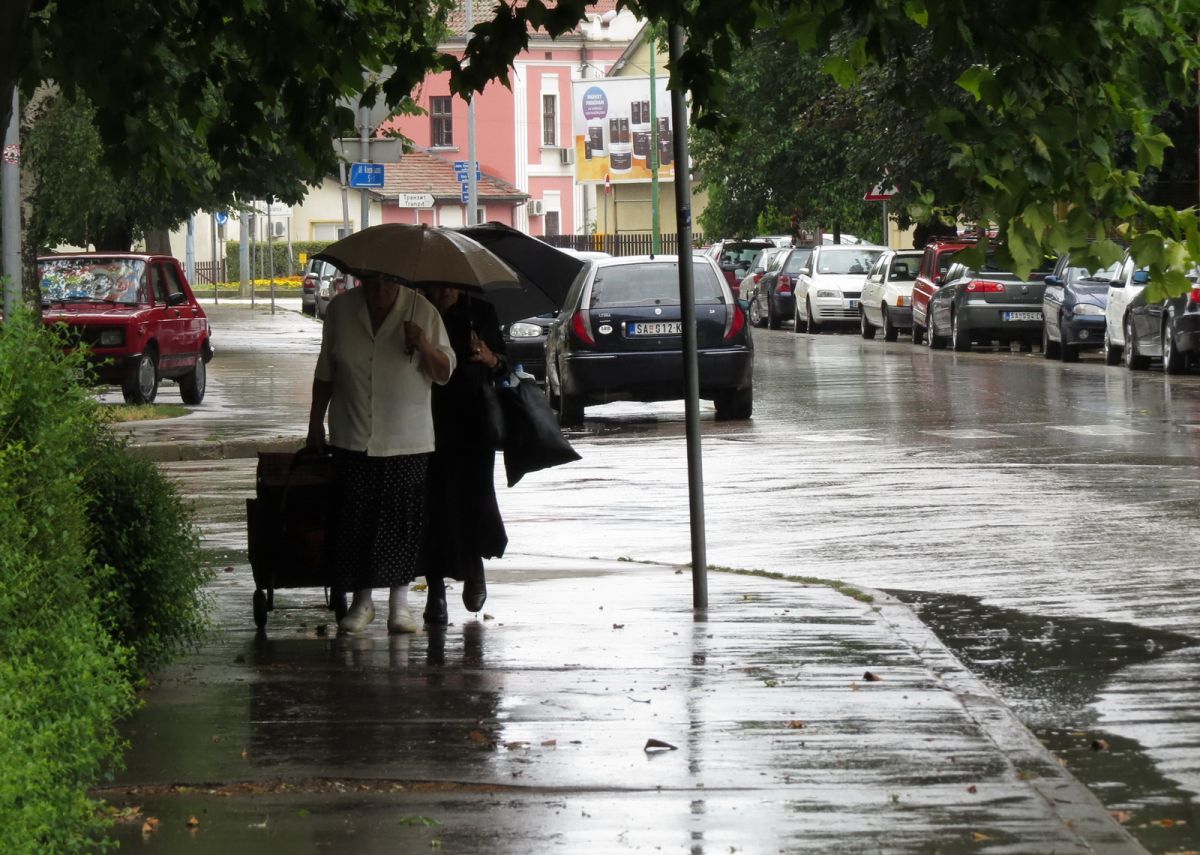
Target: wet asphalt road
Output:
{"points": [[1040, 517]]}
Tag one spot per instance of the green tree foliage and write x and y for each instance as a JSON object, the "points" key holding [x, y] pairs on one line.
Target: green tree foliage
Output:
{"points": [[62, 678], [1055, 89]]}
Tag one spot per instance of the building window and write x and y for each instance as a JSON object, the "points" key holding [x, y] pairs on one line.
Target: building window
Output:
{"points": [[550, 226], [442, 120], [549, 120]]}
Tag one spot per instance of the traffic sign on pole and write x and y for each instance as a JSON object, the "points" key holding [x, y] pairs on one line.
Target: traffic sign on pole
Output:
{"points": [[415, 200], [878, 194], [466, 193], [365, 176]]}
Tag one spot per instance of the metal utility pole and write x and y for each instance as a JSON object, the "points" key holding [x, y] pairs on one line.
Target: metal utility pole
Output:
{"points": [[687, 301], [189, 250], [10, 219], [472, 184], [244, 287], [364, 129], [345, 200], [271, 254], [212, 231], [654, 233], [885, 225]]}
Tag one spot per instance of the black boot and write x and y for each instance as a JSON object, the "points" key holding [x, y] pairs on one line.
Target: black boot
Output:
{"points": [[436, 612], [474, 593]]}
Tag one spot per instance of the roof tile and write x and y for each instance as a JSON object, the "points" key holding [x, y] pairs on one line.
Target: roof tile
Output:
{"points": [[422, 171]]}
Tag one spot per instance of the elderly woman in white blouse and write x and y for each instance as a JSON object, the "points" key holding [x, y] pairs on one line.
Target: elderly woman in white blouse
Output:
{"points": [[382, 348]]}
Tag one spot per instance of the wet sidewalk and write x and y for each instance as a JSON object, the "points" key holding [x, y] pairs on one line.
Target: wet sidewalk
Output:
{"points": [[791, 718]]}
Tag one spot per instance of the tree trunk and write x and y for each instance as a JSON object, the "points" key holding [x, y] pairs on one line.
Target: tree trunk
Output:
{"points": [[116, 236], [158, 242], [14, 47]]}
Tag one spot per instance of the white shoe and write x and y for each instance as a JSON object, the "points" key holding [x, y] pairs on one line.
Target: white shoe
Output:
{"points": [[357, 619], [401, 620]]}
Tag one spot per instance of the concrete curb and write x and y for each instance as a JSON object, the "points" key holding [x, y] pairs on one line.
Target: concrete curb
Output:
{"points": [[1065, 796], [230, 449]]}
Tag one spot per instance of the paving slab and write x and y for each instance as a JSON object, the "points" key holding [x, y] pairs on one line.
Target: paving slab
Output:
{"points": [[798, 719]]}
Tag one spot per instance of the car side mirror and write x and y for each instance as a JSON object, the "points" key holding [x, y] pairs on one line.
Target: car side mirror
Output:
{"points": [[1141, 277], [1053, 280], [176, 299], [940, 279], [744, 304], [1116, 283]]}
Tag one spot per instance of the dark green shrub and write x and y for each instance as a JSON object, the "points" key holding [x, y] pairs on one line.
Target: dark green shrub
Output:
{"points": [[278, 252], [63, 680], [142, 533]]}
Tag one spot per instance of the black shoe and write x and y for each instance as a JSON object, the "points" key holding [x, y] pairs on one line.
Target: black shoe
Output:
{"points": [[436, 612], [474, 593]]}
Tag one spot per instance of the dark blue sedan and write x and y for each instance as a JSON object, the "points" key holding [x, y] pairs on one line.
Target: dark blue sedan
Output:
{"points": [[619, 337], [1073, 309]]}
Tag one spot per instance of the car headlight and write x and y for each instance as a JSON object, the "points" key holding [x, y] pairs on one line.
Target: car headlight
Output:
{"points": [[825, 292], [524, 331], [111, 338], [1088, 309]]}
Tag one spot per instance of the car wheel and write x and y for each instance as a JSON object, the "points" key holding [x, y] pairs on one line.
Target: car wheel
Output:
{"points": [[935, 341], [734, 404], [813, 326], [1134, 361], [756, 316], [309, 310], [918, 333], [958, 335], [774, 322], [890, 331], [141, 383], [867, 328], [1112, 353], [1050, 349], [1067, 352], [192, 384], [1173, 360], [570, 409], [798, 326]]}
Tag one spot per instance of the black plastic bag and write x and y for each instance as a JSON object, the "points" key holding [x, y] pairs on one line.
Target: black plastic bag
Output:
{"points": [[534, 440], [492, 423]]}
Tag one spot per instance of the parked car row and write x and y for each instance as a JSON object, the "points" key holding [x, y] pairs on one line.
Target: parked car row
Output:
{"points": [[943, 302]]}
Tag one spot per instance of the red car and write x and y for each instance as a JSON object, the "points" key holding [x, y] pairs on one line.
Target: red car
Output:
{"points": [[137, 315], [931, 276]]}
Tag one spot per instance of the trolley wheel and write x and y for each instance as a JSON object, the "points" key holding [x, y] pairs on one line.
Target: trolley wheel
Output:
{"points": [[260, 609], [339, 604]]}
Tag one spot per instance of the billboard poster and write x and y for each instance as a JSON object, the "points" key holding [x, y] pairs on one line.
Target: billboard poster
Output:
{"points": [[612, 132]]}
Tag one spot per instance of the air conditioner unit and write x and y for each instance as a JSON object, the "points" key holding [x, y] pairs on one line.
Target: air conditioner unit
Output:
{"points": [[566, 156], [536, 207], [278, 229]]}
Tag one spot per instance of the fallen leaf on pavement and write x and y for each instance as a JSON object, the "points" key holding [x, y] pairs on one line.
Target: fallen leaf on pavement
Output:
{"points": [[1121, 816], [229, 569], [979, 836], [871, 678], [479, 737], [796, 725], [549, 743], [192, 822], [245, 754], [515, 746], [486, 616], [150, 825], [1099, 744], [618, 626], [658, 745], [972, 789]]}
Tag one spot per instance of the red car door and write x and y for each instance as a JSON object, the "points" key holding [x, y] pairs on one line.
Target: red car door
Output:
{"points": [[170, 321]]}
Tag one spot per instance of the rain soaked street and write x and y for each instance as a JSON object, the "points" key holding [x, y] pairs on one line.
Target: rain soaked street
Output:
{"points": [[1040, 517]]}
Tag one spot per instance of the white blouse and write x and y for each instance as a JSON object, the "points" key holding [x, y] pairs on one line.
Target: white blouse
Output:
{"points": [[381, 400]]}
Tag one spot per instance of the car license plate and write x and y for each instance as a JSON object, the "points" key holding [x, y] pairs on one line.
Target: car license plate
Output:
{"points": [[656, 328], [1022, 316], [852, 304]]}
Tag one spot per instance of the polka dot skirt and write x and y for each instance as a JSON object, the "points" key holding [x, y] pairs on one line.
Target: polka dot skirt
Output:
{"points": [[379, 519]]}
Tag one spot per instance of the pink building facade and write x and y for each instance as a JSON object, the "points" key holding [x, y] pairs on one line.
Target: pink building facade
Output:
{"points": [[523, 139]]}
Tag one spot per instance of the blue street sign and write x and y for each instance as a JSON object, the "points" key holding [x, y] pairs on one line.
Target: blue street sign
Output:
{"points": [[222, 217], [460, 170], [465, 195], [366, 175]]}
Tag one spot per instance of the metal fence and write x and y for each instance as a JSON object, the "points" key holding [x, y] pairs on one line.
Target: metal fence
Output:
{"points": [[632, 243], [210, 272]]}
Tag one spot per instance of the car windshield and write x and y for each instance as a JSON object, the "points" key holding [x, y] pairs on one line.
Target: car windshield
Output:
{"points": [[903, 268], [1076, 275], [847, 261], [111, 280], [797, 260], [651, 284]]}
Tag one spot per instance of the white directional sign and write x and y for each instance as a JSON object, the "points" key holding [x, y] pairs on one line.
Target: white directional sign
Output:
{"points": [[415, 200]]}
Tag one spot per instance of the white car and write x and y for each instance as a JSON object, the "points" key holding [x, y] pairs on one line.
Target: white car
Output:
{"points": [[829, 287], [1127, 284], [886, 301]]}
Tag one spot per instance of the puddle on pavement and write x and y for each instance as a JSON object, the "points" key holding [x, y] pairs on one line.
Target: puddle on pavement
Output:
{"points": [[1052, 671]]}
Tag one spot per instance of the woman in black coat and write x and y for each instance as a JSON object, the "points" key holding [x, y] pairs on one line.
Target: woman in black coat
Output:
{"points": [[465, 525]]}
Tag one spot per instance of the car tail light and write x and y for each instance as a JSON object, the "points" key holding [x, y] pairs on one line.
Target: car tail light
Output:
{"points": [[737, 321], [581, 328], [983, 286], [1195, 296], [784, 285], [901, 300]]}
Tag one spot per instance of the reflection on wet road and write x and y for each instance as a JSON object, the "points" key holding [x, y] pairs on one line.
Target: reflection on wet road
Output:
{"points": [[1061, 498]]}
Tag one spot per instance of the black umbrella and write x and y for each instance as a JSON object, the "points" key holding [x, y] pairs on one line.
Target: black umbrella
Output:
{"points": [[545, 273]]}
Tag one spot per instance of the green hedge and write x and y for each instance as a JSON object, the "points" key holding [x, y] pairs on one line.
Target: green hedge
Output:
{"points": [[279, 253], [75, 637]]}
